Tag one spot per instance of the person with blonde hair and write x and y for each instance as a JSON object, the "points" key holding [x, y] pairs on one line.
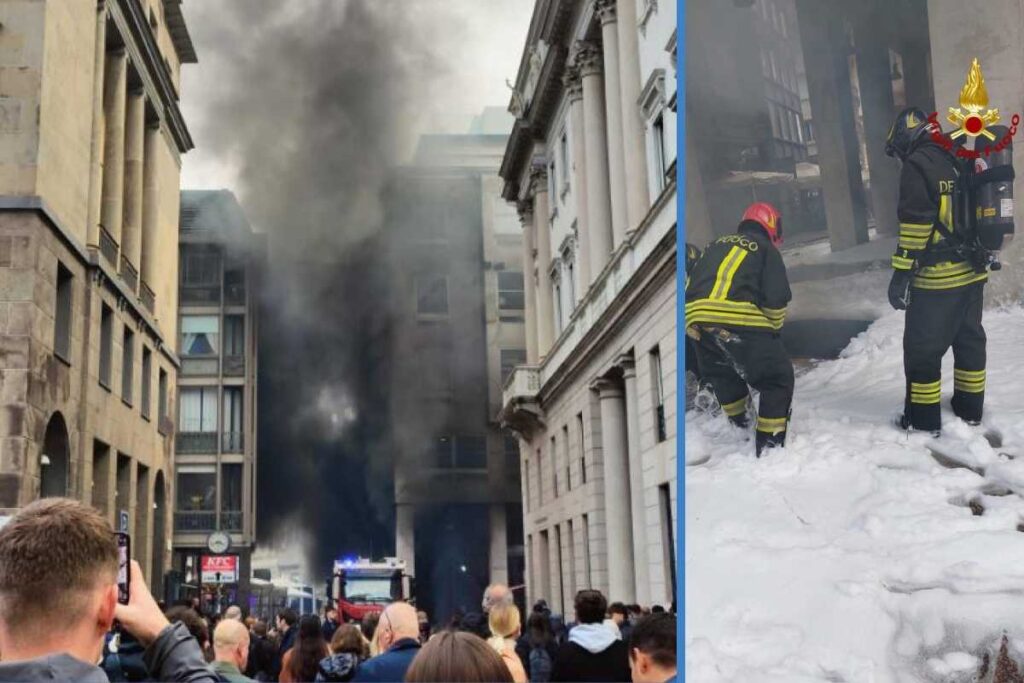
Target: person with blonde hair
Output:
{"points": [[506, 627]]}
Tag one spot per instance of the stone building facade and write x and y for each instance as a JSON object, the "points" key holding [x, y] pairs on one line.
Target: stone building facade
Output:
{"points": [[90, 161], [215, 448], [590, 166]]}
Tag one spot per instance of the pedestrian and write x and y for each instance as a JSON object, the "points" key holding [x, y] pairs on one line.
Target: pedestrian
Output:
{"points": [[593, 652], [196, 625], [330, 624], [506, 626], [652, 649], [398, 640], [302, 661], [424, 621], [736, 298], [348, 649], [496, 594], [59, 561], [619, 615], [233, 612], [231, 650], [286, 633], [457, 657], [537, 648], [368, 626], [262, 654], [935, 280]]}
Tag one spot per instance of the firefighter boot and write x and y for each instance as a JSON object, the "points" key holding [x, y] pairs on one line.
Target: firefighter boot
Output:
{"points": [[766, 441]]}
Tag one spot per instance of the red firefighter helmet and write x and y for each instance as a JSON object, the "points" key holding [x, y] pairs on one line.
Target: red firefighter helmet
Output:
{"points": [[768, 217]]}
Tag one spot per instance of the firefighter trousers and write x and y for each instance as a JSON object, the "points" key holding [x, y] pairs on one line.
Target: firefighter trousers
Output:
{"points": [[936, 320], [732, 360]]}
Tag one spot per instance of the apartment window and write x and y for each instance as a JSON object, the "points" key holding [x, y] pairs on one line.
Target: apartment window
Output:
{"points": [[200, 335], [658, 392], [559, 309], [658, 129], [570, 272], [197, 412], [106, 344], [161, 396], [200, 268], [234, 286], [510, 290], [668, 535], [552, 188], [197, 488], [233, 420], [540, 479], [62, 314], [586, 552], [231, 497], [100, 476], [563, 157], [147, 380], [234, 335], [567, 460], [127, 365], [558, 564], [583, 449], [554, 466], [432, 294], [510, 358], [526, 484]]}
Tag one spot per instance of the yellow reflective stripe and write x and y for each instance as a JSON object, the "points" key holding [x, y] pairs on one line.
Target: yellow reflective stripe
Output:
{"points": [[945, 212], [949, 282], [926, 386], [726, 319], [736, 407], [743, 313], [925, 400], [916, 227], [969, 388], [912, 244], [926, 393], [771, 425], [968, 375], [902, 262], [948, 268], [723, 278]]}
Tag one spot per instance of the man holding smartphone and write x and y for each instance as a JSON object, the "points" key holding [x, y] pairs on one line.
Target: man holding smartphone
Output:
{"points": [[59, 597]]}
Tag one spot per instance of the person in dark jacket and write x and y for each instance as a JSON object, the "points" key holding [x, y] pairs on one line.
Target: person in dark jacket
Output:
{"points": [[262, 654], [736, 298], [693, 376], [398, 634], [933, 279], [537, 649], [330, 624], [60, 557], [593, 652], [287, 632]]}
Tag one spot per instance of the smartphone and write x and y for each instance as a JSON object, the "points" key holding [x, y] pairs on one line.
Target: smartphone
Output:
{"points": [[124, 552]]}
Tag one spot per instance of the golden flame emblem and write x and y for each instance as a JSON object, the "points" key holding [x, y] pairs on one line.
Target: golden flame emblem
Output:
{"points": [[973, 99]]}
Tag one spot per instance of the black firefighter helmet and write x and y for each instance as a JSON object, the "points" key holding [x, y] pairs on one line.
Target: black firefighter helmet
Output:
{"points": [[910, 126]]}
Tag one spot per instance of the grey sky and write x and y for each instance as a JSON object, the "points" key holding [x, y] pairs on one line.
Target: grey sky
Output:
{"points": [[479, 43]]}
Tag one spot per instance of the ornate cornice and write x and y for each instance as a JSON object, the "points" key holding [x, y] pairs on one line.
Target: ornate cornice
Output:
{"points": [[573, 82], [524, 207], [589, 58], [538, 180], [606, 11]]}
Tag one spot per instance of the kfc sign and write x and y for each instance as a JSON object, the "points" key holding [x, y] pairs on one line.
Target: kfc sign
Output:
{"points": [[219, 568]]}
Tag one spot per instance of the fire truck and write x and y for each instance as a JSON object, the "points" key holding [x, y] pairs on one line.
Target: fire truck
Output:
{"points": [[360, 586]]}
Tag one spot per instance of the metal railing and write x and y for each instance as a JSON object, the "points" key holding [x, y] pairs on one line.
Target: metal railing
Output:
{"points": [[196, 442], [232, 442], [108, 247], [234, 366], [147, 296], [205, 367], [231, 520], [203, 520], [234, 295], [200, 294], [129, 273]]}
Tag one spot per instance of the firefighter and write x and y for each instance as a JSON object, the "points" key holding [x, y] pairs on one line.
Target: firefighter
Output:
{"points": [[736, 298], [693, 377], [934, 280]]}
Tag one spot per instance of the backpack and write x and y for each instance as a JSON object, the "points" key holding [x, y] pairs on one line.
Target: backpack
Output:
{"points": [[540, 665]]}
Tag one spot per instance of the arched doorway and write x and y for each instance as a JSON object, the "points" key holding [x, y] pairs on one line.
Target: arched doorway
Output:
{"points": [[55, 460], [159, 538]]}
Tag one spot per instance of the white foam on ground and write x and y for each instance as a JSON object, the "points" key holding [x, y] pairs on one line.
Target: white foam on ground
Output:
{"points": [[852, 554]]}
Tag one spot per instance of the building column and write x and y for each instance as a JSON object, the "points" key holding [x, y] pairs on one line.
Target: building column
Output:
{"points": [[599, 211], [574, 89], [634, 138], [912, 37], [529, 285], [134, 141], [499, 544], [542, 237], [150, 204], [405, 535], [96, 150], [635, 464], [617, 511], [874, 75], [605, 10], [115, 83], [828, 84]]}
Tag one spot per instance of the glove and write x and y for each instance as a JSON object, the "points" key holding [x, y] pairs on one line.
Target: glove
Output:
{"points": [[899, 290]]}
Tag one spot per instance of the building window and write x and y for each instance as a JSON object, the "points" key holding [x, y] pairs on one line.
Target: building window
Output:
{"points": [[563, 157], [658, 392], [558, 564], [147, 380], [106, 344], [552, 189], [197, 412], [571, 545], [510, 290], [540, 479], [559, 312], [197, 498], [658, 129], [568, 459], [233, 420], [554, 466], [570, 272], [586, 552], [432, 294], [234, 335], [62, 314], [461, 452], [526, 484], [583, 449], [231, 497], [200, 276], [234, 286], [199, 335], [510, 358], [127, 365], [161, 396], [668, 535]]}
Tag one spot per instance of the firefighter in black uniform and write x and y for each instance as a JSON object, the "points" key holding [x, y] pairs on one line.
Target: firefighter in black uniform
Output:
{"points": [[692, 368], [736, 298], [934, 281]]}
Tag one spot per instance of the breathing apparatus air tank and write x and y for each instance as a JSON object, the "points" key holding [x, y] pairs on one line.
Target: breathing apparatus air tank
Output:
{"points": [[993, 191]]}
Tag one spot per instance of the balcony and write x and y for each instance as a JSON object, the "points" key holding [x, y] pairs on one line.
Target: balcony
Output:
{"points": [[129, 274], [231, 520], [147, 296], [521, 410], [232, 442], [234, 366], [200, 295], [199, 367], [191, 443], [108, 247], [204, 520]]}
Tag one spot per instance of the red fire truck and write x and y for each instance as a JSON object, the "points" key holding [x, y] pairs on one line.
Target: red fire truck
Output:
{"points": [[361, 586]]}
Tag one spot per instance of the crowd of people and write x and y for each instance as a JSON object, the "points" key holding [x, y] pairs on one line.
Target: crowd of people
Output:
{"points": [[60, 557]]}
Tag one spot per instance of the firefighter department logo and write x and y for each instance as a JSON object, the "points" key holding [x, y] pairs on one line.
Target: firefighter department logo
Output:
{"points": [[971, 118]]}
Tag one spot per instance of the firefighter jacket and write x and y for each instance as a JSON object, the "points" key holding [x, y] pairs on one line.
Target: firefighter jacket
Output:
{"points": [[927, 184], [739, 282]]}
